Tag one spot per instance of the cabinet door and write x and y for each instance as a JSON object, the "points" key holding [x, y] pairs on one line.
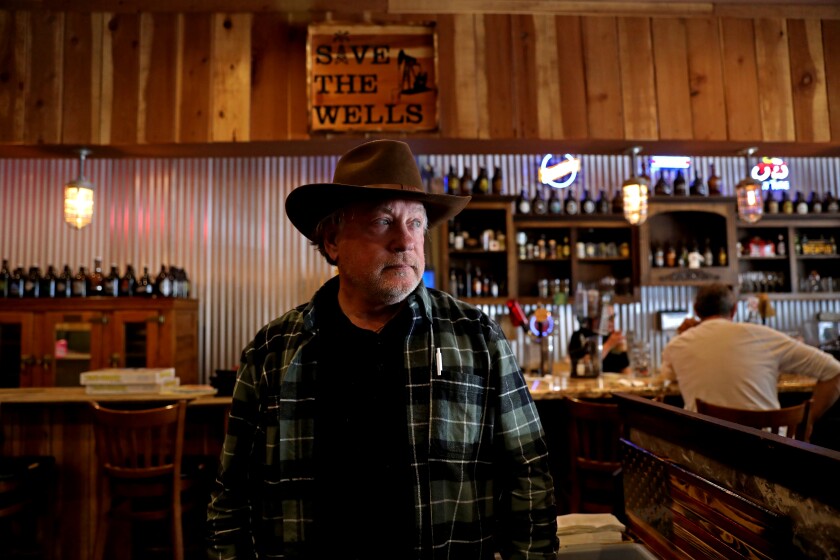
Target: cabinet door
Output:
{"points": [[135, 339], [19, 365], [73, 342]]}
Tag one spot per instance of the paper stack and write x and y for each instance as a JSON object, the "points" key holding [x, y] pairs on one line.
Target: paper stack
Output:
{"points": [[589, 528], [119, 381]]}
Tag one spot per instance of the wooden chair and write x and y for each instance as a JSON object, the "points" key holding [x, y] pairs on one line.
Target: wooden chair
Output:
{"points": [[594, 433], [140, 454], [795, 419]]}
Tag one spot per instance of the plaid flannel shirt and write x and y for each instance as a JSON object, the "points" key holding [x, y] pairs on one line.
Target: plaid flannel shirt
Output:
{"points": [[478, 454]]}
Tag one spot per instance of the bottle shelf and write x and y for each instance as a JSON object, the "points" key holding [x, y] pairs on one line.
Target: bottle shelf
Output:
{"points": [[754, 259], [816, 257]]}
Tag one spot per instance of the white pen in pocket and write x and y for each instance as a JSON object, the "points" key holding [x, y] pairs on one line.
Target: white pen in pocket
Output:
{"points": [[438, 362]]}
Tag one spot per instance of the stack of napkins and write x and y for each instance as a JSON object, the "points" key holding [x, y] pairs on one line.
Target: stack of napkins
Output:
{"points": [[118, 381], [589, 528]]}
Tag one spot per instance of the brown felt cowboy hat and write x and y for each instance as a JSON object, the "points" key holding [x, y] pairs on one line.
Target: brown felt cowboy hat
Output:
{"points": [[374, 171]]}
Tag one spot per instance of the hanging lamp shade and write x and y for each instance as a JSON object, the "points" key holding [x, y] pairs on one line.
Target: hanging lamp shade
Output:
{"points": [[634, 193], [748, 194], [78, 197]]}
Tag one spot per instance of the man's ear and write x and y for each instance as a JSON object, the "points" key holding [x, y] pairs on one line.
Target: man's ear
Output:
{"points": [[331, 242]]}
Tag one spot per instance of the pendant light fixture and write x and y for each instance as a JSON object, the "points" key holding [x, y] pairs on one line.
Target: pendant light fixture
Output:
{"points": [[78, 197], [748, 193], [634, 193]]}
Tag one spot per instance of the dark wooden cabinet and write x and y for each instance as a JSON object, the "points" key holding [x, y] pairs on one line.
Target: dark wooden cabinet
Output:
{"points": [[592, 249], [682, 225], [49, 342], [790, 254]]}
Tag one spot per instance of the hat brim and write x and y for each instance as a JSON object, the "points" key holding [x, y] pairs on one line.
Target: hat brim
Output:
{"points": [[307, 205]]}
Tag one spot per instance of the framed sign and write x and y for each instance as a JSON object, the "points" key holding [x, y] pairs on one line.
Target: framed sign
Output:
{"points": [[372, 78]]}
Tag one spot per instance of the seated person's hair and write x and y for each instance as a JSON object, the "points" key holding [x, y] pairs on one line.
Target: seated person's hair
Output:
{"points": [[714, 299]]}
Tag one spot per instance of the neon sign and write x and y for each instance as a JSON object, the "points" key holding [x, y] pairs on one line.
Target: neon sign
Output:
{"points": [[772, 173], [670, 162], [554, 175]]}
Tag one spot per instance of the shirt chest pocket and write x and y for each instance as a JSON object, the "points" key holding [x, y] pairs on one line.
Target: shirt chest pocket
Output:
{"points": [[458, 415]]}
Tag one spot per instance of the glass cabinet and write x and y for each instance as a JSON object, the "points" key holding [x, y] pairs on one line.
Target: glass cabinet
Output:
{"points": [[49, 342]]}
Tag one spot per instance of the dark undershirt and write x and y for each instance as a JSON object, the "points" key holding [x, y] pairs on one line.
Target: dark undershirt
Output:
{"points": [[362, 462]]}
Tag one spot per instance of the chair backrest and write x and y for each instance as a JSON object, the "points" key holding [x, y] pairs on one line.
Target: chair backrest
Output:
{"points": [[594, 433], [795, 419], [136, 444]]}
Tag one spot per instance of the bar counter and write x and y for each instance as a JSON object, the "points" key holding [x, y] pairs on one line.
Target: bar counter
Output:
{"points": [[609, 383], [58, 422]]}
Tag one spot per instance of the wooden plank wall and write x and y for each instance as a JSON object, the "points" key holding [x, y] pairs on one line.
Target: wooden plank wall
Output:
{"points": [[133, 79]]}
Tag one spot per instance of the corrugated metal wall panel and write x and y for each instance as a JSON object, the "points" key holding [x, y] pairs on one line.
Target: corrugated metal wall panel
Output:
{"points": [[223, 220]]}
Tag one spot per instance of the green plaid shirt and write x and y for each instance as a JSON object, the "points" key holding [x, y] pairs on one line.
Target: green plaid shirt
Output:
{"points": [[478, 454]]}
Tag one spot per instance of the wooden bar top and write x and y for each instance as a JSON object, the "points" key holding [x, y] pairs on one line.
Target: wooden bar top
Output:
{"points": [[609, 383], [200, 395]]}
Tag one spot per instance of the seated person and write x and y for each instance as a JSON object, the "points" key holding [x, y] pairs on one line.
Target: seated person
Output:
{"points": [[738, 364], [614, 354]]}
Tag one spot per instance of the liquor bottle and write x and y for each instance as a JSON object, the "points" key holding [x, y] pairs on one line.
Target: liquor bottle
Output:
{"points": [[644, 173], [96, 278], [523, 203], [604, 205], [618, 202], [145, 286], [781, 248], [830, 204], [555, 205], [682, 257], [661, 188], [163, 284], [697, 187], [708, 257], [787, 203], [175, 277], [671, 256], [587, 205], [64, 283], [565, 249], [538, 203], [4, 279], [772, 205], [452, 184], [16, 283], [467, 182], [185, 283], [497, 180], [722, 256], [32, 282], [79, 286], [571, 205], [797, 244], [714, 181], [814, 204], [111, 283], [128, 282], [482, 182], [800, 205], [49, 283], [658, 256], [680, 185]]}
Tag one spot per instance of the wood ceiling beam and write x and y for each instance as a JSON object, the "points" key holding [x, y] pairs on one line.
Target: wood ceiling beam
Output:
{"points": [[822, 9]]}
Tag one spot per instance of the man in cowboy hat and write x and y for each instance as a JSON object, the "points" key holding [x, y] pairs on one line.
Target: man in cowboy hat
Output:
{"points": [[380, 397]]}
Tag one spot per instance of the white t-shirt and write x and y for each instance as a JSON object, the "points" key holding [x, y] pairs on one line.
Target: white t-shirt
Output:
{"points": [[738, 364]]}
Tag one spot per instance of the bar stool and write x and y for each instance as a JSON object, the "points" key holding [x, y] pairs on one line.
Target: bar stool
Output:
{"points": [[140, 458], [795, 419], [25, 498]]}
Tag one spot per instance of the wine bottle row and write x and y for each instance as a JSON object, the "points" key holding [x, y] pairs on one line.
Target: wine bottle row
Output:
{"points": [[20, 283], [569, 205], [687, 255], [782, 204], [465, 184]]}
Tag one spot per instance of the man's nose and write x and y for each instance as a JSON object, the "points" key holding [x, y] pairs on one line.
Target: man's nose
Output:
{"points": [[402, 238]]}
